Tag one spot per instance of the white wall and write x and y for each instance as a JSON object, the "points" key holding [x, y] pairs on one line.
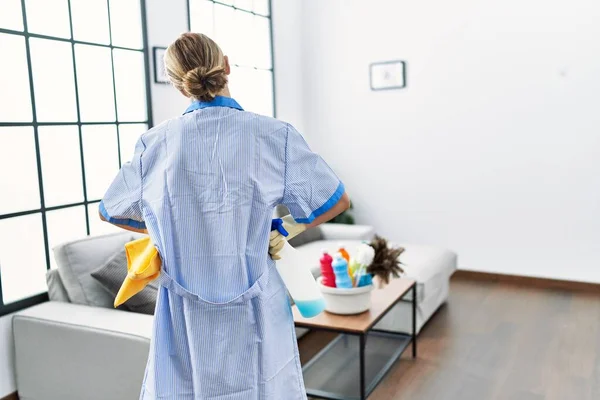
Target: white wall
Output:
{"points": [[287, 41], [492, 150], [7, 375], [165, 20]]}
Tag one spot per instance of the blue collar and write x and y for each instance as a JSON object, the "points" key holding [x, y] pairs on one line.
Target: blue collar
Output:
{"points": [[219, 101]]}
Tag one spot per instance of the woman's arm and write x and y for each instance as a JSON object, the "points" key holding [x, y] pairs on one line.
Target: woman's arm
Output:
{"points": [[342, 205], [126, 227]]}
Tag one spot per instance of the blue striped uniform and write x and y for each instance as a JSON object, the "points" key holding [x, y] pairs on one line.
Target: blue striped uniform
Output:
{"points": [[205, 186]]}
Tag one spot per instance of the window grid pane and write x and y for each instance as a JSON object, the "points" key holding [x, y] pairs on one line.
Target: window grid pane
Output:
{"points": [[101, 158], [11, 16], [61, 164], [22, 257], [226, 33], [261, 30], [48, 17], [90, 21], [130, 85], [203, 20], [95, 83], [126, 23], [51, 59], [20, 191], [53, 80], [15, 100]]}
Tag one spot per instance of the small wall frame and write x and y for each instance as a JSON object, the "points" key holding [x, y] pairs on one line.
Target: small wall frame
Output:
{"points": [[387, 75], [160, 75]]}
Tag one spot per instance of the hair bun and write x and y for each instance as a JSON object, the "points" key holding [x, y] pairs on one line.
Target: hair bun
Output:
{"points": [[204, 83]]}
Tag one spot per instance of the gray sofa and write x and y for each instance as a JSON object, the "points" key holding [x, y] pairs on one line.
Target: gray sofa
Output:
{"points": [[77, 347]]}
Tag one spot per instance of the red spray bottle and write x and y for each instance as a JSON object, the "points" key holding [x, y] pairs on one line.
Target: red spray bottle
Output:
{"points": [[327, 275]]}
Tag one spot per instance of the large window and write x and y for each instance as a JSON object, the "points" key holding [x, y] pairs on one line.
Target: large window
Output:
{"points": [[73, 101], [243, 30]]}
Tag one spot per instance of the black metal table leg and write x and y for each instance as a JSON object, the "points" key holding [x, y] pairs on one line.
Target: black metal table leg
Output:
{"points": [[414, 321], [363, 389]]}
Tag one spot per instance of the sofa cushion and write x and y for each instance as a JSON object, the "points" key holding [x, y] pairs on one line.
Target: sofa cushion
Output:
{"points": [[56, 289], [343, 232], [422, 262], [308, 236], [76, 260], [431, 267], [111, 276]]}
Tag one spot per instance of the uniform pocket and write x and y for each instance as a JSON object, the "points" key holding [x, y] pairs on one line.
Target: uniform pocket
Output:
{"points": [[287, 384], [223, 346]]}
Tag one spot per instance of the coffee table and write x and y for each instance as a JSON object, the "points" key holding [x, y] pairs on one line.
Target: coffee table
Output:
{"points": [[355, 362]]}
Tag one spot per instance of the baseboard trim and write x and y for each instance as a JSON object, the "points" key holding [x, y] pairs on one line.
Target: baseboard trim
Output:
{"points": [[12, 396], [544, 283]]}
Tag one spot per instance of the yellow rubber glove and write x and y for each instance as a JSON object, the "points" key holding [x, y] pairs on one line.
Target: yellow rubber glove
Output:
{"points": [[277, 238], [143, 266]]}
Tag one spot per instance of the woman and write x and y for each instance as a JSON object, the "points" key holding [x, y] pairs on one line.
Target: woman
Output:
{"points": [[204, 186]]}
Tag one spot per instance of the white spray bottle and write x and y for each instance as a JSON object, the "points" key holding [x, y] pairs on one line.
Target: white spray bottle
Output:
{"points": [[300, 282]]}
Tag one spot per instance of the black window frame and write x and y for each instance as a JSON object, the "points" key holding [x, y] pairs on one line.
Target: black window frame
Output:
{"points": [[270, 18], [42, 297]]}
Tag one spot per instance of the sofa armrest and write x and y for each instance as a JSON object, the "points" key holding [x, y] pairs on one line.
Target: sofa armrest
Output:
{"points": [[66, 351], [347, 232]]}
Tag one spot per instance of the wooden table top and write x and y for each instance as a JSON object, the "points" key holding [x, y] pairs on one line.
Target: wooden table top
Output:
{"points": [[381, 301]]}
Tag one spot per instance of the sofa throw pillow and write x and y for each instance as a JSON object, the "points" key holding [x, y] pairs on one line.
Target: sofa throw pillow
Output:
{"points": [[77, 259], [112, 274]]}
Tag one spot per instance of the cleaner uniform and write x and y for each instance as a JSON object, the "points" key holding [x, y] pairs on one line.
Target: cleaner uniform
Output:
{"points": [[205, 186]]}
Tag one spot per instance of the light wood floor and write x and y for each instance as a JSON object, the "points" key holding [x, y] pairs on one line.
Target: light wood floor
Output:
{"points": [[499, 341]]}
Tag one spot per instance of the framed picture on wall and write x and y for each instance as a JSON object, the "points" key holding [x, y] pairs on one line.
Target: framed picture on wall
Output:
{"points": [[160, 75], [388, 75]]}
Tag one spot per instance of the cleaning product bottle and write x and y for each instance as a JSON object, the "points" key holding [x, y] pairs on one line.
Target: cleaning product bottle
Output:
{"points": [[343, 252], [364, 257], [300, 282], [327, 275], [346, 256], [340, 268]]}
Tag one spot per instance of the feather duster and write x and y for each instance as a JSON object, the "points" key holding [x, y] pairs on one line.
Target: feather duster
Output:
{"points": [[385, 263]]}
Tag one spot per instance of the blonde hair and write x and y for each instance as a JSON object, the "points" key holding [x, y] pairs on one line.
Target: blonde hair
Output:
{"points": [[196, 66]]}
